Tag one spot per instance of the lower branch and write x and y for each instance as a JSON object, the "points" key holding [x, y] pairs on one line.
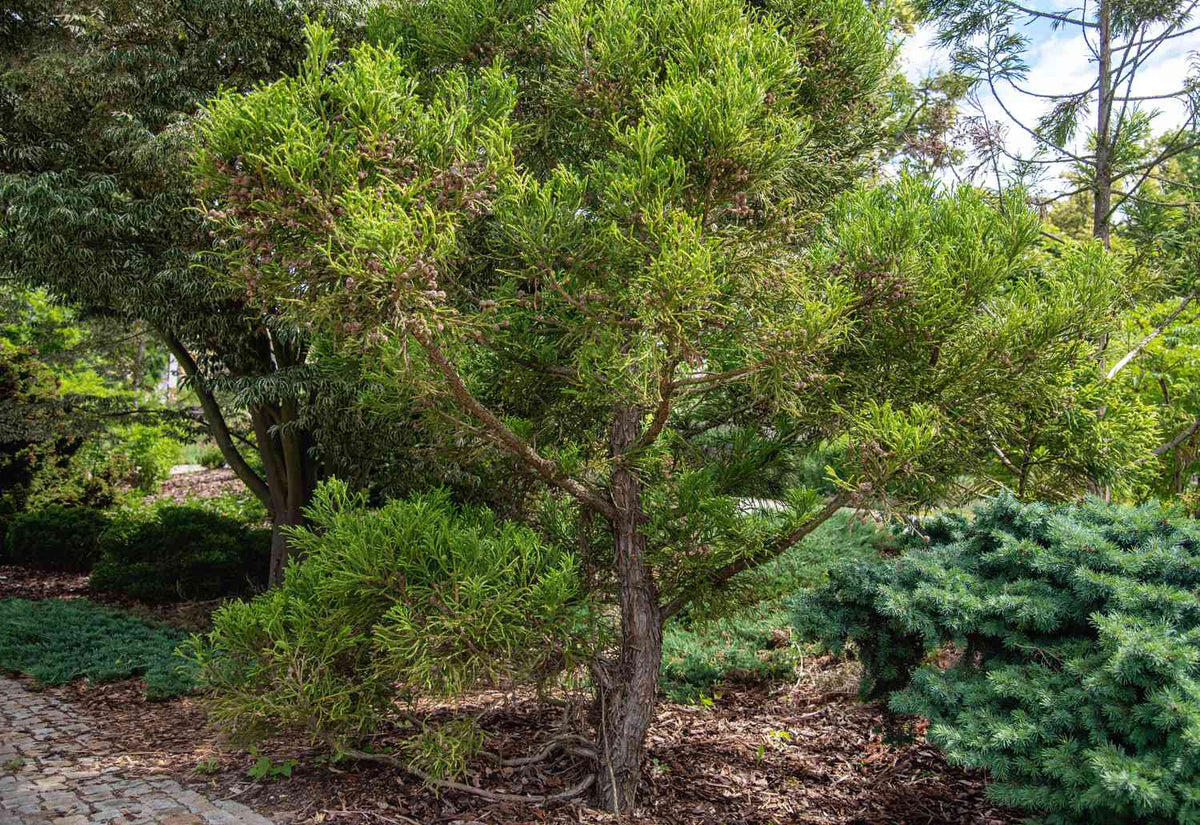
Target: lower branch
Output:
{"points": [[575, 790], [776, 548], [501, 434]]}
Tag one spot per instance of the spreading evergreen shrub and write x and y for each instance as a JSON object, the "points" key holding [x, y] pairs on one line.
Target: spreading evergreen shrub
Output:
{"points": [[413, 599], [172, 552], [58, 641], [54, 537], [1073, 641]]}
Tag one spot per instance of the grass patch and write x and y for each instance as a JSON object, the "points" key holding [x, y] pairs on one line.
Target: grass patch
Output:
{"points": [[58, 641], [752, 644]]}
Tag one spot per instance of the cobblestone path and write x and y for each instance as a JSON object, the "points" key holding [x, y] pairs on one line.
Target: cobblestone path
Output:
{"points": [[55, 769]]}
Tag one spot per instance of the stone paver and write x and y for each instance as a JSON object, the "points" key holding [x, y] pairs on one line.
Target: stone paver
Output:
{"points": [[56, 769]]}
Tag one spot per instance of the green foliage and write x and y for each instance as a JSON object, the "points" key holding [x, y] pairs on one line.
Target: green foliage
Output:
{"points": [[745, 647], [37, 431], [1166, 377], [95, 356], [169, 552], [622, 243], [56, 537], [92, 476], [750, 644], [655, 261], [100, 100], [211, 457], [266, 769], [442, 752], [151, 449], [414, 599], [58, 641], [206, 455], [1076, 652]]}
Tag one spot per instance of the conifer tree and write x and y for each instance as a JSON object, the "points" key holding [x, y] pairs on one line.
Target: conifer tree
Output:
{"points": [[630, 211]]}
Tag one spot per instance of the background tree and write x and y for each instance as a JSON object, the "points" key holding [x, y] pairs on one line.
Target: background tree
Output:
{"points": [[96, 103], [990, 47], [624, 209]]}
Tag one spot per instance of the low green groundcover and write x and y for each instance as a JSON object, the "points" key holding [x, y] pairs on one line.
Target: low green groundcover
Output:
{"points": [[57, 641]]}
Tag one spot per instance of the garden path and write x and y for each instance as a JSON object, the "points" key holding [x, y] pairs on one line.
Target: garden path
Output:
{"points": [[56, 769]]}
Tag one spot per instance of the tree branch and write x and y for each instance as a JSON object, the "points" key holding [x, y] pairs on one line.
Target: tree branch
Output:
{"points": [[1179, 439], [1145, 342], [505, 437], [665, 392], [779, 546], [216, 421]]}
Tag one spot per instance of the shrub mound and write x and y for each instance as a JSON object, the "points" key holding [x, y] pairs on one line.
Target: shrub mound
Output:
{"points": [[57, 641], [55, 537], [1075, 674], [172, 552], [416, 598]]}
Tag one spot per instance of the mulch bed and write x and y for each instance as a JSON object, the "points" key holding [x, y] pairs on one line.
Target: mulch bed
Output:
{"points": [[186, 487], [806, 753], [27, 583]]}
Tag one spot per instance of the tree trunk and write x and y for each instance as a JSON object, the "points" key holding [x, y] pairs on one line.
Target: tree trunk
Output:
{"points": [[280, 548], [289, 477], [626, 689], [1102, 196]]}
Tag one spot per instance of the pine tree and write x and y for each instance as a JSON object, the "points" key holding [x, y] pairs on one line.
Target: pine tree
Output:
{"points": [[630, 211]]}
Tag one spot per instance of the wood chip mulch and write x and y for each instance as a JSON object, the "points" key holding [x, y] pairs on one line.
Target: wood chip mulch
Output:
{"points": [[186, 487], [802, 753]]}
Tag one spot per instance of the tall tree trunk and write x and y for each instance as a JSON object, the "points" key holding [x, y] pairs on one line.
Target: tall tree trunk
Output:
{"points": [[1102, 196], [627, 687]]}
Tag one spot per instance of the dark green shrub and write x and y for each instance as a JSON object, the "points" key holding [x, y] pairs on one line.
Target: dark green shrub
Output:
{"points": [[1075, 674], [57, 641], [91, 477], [171, 552], [59, 538], [39, 429], [413, 599]]}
